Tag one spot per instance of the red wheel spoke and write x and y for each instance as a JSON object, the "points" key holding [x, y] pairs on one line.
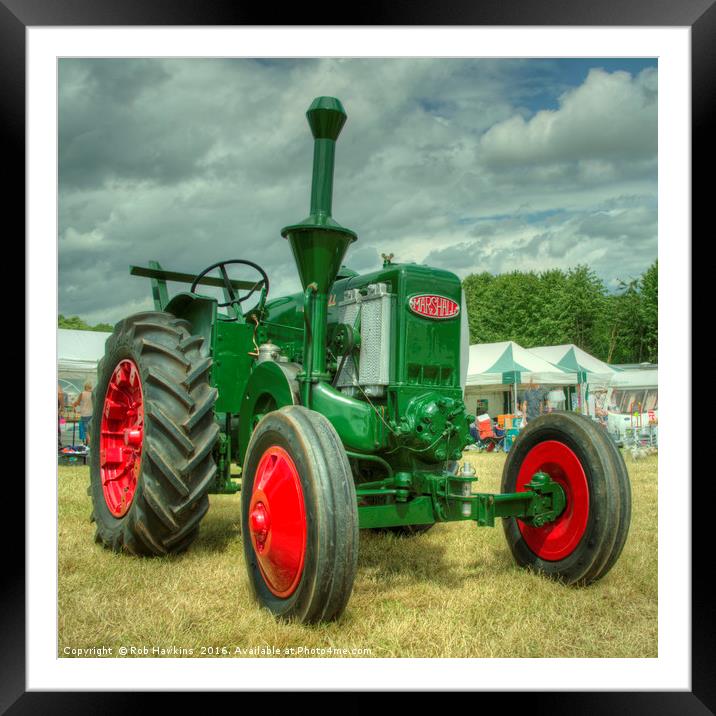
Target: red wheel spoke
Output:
{"points": [[121, 436], [120, 474], [267, 472]]}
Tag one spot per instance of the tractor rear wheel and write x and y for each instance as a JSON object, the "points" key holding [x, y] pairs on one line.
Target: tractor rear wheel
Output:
{"points": [[153, 432], [299, 516], [584, 542]]}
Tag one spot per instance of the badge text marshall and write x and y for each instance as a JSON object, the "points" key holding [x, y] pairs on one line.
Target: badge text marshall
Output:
{"points": [[432, 306]]}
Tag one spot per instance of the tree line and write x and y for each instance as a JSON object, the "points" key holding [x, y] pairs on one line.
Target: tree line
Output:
{"points": [[574, 306], [550, 308], [77, 324]]}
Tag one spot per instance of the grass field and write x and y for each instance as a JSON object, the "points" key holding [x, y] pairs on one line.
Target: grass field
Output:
{"points": [[453, 592]]}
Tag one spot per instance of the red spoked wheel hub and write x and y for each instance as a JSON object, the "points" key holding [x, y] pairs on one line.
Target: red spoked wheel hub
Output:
{"points": [[556, 540], [277, 521], [121, 437]]}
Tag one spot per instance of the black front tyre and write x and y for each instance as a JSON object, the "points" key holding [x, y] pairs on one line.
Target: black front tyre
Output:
{"points": [[153, 431], [624, 519], [299, 516], [585, 541]]}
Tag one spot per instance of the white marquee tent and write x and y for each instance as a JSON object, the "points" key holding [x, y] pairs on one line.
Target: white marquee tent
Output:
{"points": [[636, 378], [586, 367], [495, 368], [78, 353], [507, 362]]}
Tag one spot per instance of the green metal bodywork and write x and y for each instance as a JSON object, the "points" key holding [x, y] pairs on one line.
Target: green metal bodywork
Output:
{"points": [[404, 442]]}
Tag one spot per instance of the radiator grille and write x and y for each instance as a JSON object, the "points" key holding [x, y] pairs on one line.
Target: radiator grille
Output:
{"points": [[374, 359]]}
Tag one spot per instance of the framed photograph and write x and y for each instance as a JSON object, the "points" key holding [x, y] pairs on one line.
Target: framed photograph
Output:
{"points": [[501, 143]]}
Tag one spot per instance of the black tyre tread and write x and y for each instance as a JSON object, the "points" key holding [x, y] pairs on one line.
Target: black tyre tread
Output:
{"points": [[196, 372], [345, 522], [193, 519], [190, 341], [164, 381], [167, 470], [177, 466], [201, 409], [613, 499], [178, 356], [589, 560], [625, 503], [197, 493], [174, 431], [157, 326], [323, 594]]}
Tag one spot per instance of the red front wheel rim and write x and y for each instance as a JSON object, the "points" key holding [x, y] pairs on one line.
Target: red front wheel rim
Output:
{"points": [[121, 437], [556, 540], [277, 522]]}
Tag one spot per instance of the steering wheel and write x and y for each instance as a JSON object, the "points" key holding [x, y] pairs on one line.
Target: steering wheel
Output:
{"points": [[233, 297]]}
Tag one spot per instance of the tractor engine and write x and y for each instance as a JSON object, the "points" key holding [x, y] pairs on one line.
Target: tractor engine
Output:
{"points": [[397, 342]]}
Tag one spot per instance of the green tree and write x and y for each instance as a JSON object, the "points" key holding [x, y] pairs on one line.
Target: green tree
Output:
{"points": [[584, 306], [73, 322], [574, 306], [650, 312], [626, 329], [77, 324], [552, 324]]}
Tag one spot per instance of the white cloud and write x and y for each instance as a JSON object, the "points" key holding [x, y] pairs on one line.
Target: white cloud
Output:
{"points": [[611, 116], [192, 161]]}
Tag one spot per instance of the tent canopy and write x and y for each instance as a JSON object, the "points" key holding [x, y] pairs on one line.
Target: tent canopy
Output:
{"points": [[644, 378], [79, 351], [507, 363], [573, 359]]}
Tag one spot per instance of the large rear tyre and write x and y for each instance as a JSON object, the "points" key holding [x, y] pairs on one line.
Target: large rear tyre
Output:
{"points": [[585, 541], [153, 432], [299, 516]]}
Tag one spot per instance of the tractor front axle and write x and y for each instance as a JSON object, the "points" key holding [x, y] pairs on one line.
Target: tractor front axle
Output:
{"points": [[449, 498]]}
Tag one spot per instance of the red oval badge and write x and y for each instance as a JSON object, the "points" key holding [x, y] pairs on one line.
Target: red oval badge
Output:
{"points": [[432, 306]]}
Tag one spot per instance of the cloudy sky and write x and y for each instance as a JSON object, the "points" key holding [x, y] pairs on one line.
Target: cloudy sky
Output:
{"points": [[469, 165]]}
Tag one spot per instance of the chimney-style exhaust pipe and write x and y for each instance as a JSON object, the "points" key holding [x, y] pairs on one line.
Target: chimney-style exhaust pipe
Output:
{"points": [[319, 243]]}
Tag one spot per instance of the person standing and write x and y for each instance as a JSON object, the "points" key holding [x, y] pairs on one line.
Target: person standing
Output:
{"points": [[532, 402], [60, 405], [597, 406], [555, 400], [84, 402]]}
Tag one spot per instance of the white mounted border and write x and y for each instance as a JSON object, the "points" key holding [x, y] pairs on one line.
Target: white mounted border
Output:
{"points": [[670, 671]]}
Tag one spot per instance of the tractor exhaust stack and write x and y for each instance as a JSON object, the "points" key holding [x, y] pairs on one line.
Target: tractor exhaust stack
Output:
{"points": [[319, 243]]}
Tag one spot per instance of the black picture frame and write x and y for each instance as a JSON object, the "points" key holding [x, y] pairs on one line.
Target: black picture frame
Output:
{"points": [[17, 15]]}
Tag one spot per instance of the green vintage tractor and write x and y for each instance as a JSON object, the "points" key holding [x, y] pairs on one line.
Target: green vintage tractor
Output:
{"points": [[342, 407]]}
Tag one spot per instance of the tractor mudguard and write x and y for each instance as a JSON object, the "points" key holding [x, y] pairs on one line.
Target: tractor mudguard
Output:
{"points": [[356, 421], [200, 311], [270, 386]]}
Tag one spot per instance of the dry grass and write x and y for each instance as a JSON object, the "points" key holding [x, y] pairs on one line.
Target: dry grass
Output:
{"points": [[453, 592]]}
